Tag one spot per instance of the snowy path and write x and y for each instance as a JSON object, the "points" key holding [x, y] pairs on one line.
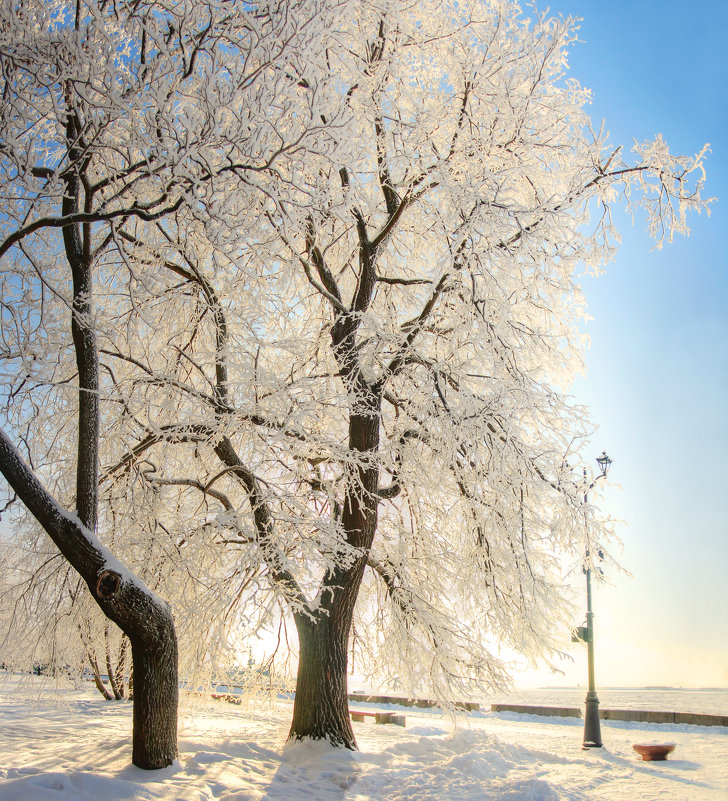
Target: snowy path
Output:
{"points": [[80, 751]]}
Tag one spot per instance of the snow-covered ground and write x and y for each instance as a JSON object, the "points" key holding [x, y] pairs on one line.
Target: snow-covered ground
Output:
{"points": [[80, 750]]}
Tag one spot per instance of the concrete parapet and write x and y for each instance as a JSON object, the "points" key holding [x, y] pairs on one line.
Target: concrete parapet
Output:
{"points": [[701, 720], [633, 715], [551, 711], [637, 715]]}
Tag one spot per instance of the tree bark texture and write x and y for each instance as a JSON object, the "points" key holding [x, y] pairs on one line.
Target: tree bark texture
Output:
{"points": [[321, 708], [77, 244], [145, 619], [156, 689]]}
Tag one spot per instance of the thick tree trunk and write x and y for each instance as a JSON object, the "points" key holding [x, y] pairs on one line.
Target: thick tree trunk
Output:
{"points": [[321, 708], [144, 618], [156, 688]]}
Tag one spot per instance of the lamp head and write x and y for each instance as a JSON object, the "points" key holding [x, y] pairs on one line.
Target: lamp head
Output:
{"points": [[604, 462]]}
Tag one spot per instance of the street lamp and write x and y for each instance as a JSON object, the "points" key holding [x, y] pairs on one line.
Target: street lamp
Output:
{"points": [[592, 730]]}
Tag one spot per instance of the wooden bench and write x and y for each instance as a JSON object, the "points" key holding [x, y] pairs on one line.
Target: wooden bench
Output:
{"points": [[231, 699], [359, 716]]}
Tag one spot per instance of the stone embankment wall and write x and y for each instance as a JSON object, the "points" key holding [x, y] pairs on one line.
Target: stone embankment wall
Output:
{"points": [[638, 715]]}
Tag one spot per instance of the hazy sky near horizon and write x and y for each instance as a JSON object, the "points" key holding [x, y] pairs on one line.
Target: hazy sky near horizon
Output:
{"points": [[657, 368]]}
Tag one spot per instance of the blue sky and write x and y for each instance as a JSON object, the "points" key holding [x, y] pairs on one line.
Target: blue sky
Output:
{"points": [[657, 380]]}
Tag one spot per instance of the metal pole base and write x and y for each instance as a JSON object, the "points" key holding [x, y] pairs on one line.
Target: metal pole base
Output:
{"points": [[592, 730]]}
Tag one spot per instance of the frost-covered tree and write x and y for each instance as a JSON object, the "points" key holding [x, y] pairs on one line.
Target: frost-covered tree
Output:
{"points": [[361, 388], [114, 117], [336, 362]]}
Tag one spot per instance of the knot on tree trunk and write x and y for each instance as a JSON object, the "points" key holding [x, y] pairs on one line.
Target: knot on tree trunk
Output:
{"points": [[108, 584]]}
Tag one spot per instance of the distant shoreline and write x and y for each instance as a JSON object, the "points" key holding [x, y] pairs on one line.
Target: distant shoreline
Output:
{"points": [[635, 687]]}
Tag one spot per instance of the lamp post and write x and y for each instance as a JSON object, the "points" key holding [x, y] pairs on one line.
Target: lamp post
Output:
{"points": [[592, 730]]}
